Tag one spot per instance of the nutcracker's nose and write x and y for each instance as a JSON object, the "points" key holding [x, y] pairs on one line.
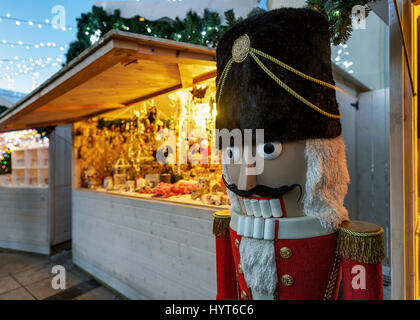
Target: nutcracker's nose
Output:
{"points": [[247, 178]]}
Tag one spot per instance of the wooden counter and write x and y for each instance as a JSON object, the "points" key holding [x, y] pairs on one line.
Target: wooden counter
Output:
{"points": [[145, 248]]}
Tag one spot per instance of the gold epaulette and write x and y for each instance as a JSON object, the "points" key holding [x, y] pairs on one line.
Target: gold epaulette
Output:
{"points": [[221, 223], [361, 241]]}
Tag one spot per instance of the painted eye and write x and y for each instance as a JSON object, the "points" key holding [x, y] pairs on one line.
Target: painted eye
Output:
{"points": [[269, 150], [232, 154]]}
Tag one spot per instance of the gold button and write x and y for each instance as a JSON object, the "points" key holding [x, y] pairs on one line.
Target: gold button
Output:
{"points": [[237, 243], [285, 253], [244, 296], [287, 280], [240, 269], [241, 48]]}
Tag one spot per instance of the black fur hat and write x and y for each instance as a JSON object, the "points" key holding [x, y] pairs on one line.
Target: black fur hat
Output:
{"points": [[250, 99]]}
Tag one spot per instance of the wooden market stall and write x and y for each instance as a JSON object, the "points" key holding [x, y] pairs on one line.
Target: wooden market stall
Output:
{"points": [[141, 245], [30, 218]]}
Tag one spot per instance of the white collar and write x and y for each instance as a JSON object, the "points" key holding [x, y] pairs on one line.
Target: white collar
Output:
{"points": [[288, 228]]}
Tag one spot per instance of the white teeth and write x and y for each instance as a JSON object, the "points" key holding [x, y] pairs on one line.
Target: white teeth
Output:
{"points": [[248, 207], [258, 228], [241, 222], [256, 207], [262, 208], [276, 208], [265, 208], [249, 227], [269, 228]]}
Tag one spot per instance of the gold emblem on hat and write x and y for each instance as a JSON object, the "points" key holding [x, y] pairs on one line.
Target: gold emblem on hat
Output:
{"points": [[240, 48]]}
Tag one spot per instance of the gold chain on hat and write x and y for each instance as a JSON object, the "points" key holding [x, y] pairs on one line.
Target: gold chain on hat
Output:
{"points": [[242, 48]]}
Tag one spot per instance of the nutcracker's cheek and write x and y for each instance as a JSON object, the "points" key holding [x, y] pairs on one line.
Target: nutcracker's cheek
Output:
{"points": [[288, 168], [232, 172]]}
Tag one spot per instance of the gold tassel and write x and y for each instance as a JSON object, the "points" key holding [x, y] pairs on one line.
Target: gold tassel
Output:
{"points": [[221, 223], [367, 247]]}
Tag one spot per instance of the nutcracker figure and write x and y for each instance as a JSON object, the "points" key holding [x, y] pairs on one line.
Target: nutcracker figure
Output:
{"points": [[287, 234]]}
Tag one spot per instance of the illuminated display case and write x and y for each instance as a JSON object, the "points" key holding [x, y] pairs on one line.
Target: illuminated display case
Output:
{"points": [[160, 149]]}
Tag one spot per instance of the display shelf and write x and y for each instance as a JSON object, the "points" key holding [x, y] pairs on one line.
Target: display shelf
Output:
{"points": [[43, 176], [30, 167], [43, 158], [18, 177], [18, 159], [31, 159]]}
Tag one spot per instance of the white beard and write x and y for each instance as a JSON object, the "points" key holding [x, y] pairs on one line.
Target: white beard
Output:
{"points": [[258, 262]]}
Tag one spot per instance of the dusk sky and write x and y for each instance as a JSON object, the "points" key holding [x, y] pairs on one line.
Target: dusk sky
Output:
{"points": [[25, 35]]}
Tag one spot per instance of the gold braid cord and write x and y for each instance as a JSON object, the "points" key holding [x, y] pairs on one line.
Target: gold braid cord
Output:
{"points": [[361, 241], [332, 281], [223, 76], [240, 51]]}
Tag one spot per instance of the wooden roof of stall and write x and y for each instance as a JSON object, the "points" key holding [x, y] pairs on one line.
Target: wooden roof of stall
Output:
{"points": [[120, 70]]}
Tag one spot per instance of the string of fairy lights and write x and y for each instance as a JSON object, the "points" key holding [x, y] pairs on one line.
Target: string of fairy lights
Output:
{"points": [[13, 67], [342, 58], [36, 24]]}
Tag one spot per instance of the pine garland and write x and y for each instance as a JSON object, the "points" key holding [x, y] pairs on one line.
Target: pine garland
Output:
{"points": [[206, 30], [339, 14]]}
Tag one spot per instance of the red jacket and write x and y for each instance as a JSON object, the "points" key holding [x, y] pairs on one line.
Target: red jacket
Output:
{"points": [[310, 267]]}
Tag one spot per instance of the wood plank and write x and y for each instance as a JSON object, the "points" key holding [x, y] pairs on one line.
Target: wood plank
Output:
{"points": [[152, 95], [174, 251], [402, 187]]}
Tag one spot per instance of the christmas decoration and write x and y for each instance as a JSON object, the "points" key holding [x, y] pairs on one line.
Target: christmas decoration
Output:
{"points": [[11, 141], [176, 127], [288, 234], [339, 14], [205, 30]]}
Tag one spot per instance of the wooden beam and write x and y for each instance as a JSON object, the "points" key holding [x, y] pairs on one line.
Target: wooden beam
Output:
{"points": [[152, 95], [205, 76], [185, 76], [54, 108], [22, 126], [403, 158]]}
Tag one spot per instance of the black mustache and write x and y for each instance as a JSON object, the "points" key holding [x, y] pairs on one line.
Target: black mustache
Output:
{"points": [[262, 191]]}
